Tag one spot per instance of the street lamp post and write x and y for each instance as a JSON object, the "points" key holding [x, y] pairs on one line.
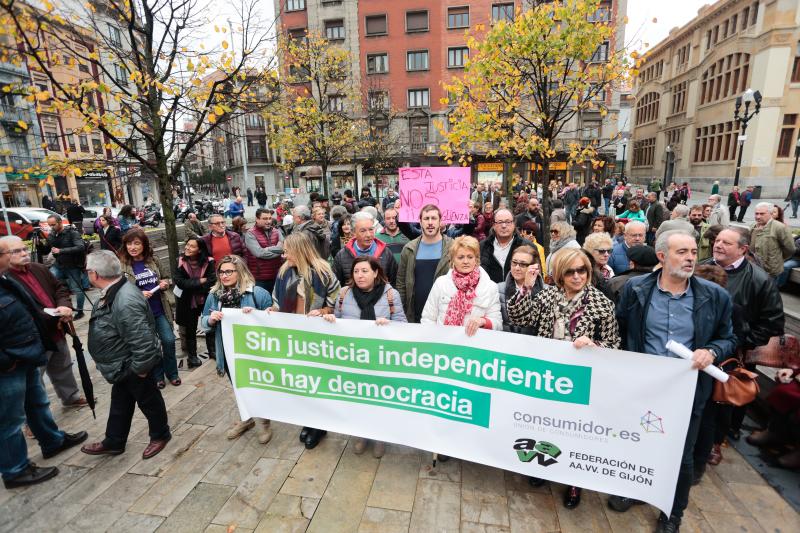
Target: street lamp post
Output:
{"points": [[749, 98], [794, 169], [666, 168], [622, 174]]}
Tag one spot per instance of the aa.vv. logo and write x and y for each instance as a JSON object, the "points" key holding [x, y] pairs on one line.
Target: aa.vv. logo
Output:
{"points": [[544, 452]]}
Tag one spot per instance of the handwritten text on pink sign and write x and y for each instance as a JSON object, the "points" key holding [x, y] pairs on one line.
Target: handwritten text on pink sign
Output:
{"points": [[445, 187]]}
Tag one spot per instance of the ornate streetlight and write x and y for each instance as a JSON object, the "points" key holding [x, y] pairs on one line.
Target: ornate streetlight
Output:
{"points": [[750, 97]]}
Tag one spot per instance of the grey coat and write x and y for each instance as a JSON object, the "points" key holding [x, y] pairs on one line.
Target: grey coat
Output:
{"points": [[348, 308], [122, 333]]}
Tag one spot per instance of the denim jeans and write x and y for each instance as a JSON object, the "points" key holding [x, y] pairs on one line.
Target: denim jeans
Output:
{"points": [[795, 204], [74, 279], [22, 397], [606, 205], [788, 265], [169, 362]]}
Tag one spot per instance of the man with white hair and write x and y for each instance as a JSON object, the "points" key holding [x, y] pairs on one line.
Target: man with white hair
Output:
{"points": [[125, 348], [719, 215], [634, 236], [364, 243], [771, 240], [680, 211], [301, 216], [673, 304]]}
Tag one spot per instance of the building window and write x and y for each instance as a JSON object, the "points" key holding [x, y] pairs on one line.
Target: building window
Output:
{"points": [[654, 71], [416, 21], [603, 14], [417, 60], [378, 100], [297, 34], [647, 108], [674, 137], [683, 54], [83, 142], [336, 103], [114, 35], [458, 17], [503, 12], [591, 130], [51, 138], [295, 5], [418, 98], [255, 149], [83, 67], [796, 66], [716, 142], [679, 97], [457, 57], [787, 135], [120, 75], [644, 152], [724, 78], [377, 63], [376, 25], [97, 146], [601, 54], [253, 120], [71, 141], [753, 14], [419, 136], [334, 30]]}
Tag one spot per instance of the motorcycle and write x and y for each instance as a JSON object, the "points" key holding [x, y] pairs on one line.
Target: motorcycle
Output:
{"points": [[150, 216], [182, 211]]}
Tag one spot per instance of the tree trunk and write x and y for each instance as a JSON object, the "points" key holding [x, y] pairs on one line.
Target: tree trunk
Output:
{"points": [[546, 206], [170, 231]]}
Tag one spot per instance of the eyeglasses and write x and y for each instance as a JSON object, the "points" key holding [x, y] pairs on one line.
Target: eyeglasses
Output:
{"points": [[603, 250], [554, 232], [581, 271], [226, 273], [520, 264], [503, 222], [15, 251]]}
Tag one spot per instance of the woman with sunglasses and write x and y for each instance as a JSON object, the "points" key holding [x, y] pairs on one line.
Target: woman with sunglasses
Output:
{"points": [[235, 289], [528, 231], [572, 310], [562, 236], [600, 246], [525, 273]]}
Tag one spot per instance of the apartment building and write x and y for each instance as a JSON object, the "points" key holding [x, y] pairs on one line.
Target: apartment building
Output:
{"points": [[684, 127], [403, 52]]}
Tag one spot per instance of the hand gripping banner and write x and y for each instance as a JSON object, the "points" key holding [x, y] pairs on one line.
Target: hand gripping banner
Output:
{"points": [[606, 420]]}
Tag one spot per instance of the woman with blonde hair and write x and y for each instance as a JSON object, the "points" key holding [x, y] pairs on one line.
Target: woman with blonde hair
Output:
{"points": [[235, 288], [562, 235], [465, 296], [572, 310], [600, 246], [305, 285]]}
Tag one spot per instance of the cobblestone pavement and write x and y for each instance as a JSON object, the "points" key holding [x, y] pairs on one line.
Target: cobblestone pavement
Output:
{"points": [[204, 482]]}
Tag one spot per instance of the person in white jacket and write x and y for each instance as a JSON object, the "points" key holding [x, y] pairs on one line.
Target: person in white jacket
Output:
{"points": [[466, 296]]}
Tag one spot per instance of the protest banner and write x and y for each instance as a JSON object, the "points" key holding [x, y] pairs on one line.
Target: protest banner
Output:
{"points": [[601, 419], [445, 187]]}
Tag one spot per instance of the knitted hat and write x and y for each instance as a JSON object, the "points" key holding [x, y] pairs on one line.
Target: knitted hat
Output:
{"points": [[643, 256]]}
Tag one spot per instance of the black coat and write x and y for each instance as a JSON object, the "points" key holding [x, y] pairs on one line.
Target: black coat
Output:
{"points": [[184, 314], [72, 252], [75, 213], [110, 239], [496, 271]]}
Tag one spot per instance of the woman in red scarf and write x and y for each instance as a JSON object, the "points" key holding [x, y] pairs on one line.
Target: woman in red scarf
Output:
{"points": [[465, 296]]}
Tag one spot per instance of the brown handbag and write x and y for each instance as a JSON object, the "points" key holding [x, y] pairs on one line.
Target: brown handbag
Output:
{"points": [[741, 387]]}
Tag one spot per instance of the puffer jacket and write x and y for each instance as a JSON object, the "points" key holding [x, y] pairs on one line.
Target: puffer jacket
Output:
{"points": [[23, 337], [72, 252], [486, 302], [122, 333], [774, 244], [346, 306], [166, 295]]}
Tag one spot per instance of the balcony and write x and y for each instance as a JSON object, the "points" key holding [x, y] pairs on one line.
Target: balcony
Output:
{"points": [[20, 162], [13, 114], [427, 148]]}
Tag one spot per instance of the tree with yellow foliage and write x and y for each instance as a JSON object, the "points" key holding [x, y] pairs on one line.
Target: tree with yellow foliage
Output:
{"points": [[155, 68], [527, 80]]}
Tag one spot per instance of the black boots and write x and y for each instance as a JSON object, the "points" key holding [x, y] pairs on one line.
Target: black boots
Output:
{"points": [[193, 361]]}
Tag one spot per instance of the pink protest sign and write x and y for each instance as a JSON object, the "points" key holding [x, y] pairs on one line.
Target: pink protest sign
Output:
{"points": [[445, 187]]}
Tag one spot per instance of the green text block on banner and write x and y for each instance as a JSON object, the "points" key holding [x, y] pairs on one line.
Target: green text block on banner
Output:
{"points": [[606, 420]]}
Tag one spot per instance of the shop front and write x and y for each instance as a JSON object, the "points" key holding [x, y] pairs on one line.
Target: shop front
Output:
{"points": [[25, 190], [344, 180], [490, 173], [93, 188]]}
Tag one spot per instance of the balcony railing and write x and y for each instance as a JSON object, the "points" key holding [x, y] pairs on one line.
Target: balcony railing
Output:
{"points": [[20, 162], [13, 114]]}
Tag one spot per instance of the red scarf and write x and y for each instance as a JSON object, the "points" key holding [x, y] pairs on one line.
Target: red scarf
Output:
{"points": [[461, 304]]}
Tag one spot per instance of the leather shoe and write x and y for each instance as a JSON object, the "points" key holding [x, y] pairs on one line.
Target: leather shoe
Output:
{"points": [[667, 525], [715, 457], [155, 447], [536, 481], [31, 476], [313, 438], [572, 498], [621, 504], [194, 362], [97, 448], [304, 434], [70, 440]]}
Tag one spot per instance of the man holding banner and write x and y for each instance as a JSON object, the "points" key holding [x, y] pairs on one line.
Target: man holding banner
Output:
{"points": [[672, 304]]}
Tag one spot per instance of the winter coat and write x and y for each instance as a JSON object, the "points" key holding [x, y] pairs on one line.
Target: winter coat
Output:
{"points": [[264, 261], [506, 289], [346, 306], [254, 297], [122, 333], [656, 214], [110, 238], [486, 302], [343, 262], [194, 228], [774, 244], [72, 252], [405, 272], [619, 261], [189, 287], [236, 209], [52, 286], [637, 216], [713, 327], [582, 222], [235, 240], [597, 321], [318, 236], [153, 264], [495, 270], [23, 337]]}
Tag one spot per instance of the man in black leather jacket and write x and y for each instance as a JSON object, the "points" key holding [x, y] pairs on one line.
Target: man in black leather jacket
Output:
{"points": [[67, 246]]}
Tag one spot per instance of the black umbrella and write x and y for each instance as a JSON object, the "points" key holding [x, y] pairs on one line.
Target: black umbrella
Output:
{"points": [[83, 370]]}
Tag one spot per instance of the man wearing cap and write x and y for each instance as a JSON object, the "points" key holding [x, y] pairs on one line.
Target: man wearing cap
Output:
{"points": [[641, 260]]}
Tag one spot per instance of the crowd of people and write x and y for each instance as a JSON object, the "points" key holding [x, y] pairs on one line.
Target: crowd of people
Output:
{"points": [[623, 269]]}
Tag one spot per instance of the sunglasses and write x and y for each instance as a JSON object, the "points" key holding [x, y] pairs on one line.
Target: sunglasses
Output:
{"points": [[581, 271], [603, 250], [520, 264]]}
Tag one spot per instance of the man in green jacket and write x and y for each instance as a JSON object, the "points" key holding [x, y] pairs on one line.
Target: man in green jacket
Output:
{"points": [[771, 240], [655, 186], [124, 345]]}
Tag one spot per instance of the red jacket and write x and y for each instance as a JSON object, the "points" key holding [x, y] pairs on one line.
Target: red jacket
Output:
{"points": [[237, 246]]}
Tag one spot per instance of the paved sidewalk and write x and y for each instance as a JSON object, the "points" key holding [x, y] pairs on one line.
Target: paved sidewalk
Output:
{"points": [[204, 482]]}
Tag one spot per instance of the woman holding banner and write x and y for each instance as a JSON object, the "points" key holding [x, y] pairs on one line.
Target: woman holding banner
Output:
{"points": [[368, 296], [572, 310], [305, 285]]}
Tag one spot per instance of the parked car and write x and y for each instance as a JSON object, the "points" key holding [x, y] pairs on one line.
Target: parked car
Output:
{"points": [[24, 219]]}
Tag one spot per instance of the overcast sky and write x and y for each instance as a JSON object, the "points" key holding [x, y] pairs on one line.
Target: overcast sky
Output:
{"points": [[642, 31]]}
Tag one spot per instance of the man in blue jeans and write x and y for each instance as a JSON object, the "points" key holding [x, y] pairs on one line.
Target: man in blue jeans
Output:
{"points": [[67, 247], [23, 341]]}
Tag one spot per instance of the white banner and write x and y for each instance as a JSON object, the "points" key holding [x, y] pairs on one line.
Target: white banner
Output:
{"points": [[606, 420]]}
